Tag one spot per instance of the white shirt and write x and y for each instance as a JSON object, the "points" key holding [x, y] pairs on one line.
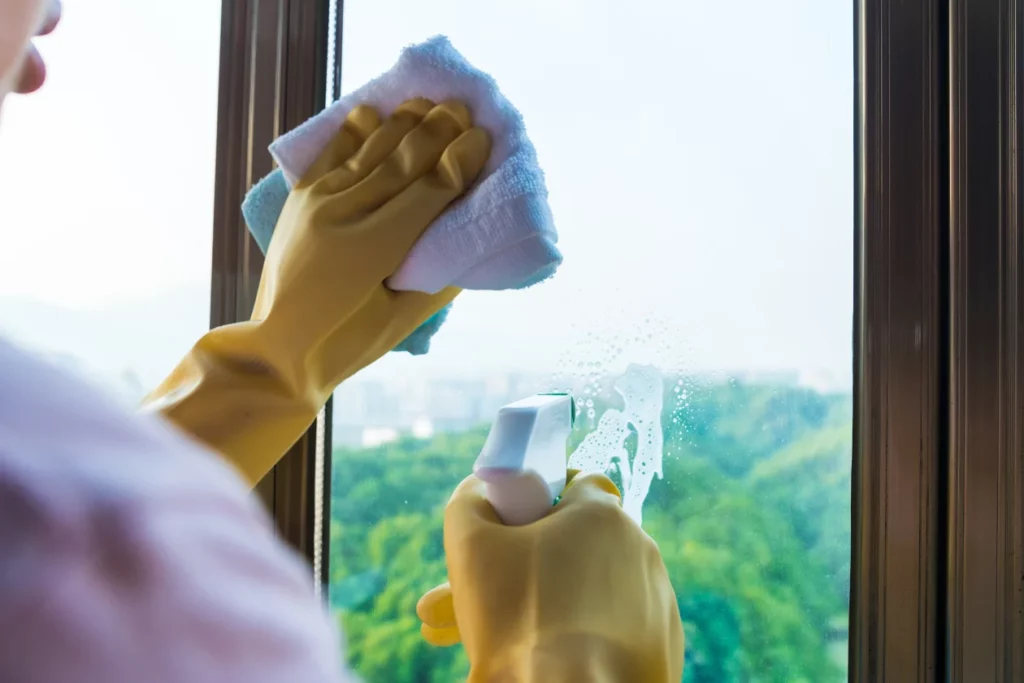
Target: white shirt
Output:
{"points": [[128, 553]]}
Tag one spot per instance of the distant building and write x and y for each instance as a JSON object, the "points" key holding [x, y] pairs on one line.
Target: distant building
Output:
{"points": [[423, 428], [370, 411], [378, 436]]}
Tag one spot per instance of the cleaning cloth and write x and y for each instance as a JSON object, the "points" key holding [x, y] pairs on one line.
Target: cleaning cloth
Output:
{"points": [[501, 235]]}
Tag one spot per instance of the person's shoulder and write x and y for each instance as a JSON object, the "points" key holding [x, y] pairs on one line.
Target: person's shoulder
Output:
{"points": [[138, 551], [56, 426]]}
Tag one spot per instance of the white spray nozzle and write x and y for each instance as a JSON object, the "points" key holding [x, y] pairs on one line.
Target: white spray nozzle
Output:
{"points": [[523, 460]]}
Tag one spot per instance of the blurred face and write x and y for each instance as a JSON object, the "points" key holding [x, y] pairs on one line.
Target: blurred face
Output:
{"points": [[21, 66]]}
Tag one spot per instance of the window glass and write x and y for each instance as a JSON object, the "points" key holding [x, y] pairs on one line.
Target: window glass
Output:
{"points": [[699, 157], [108, 191]]}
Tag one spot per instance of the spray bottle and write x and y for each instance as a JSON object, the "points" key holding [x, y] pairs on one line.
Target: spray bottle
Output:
{"points": [[523, 460]]}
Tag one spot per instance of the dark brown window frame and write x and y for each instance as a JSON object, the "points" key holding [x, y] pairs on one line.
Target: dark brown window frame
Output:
{"points": [[273, 76], [899, 342], [938, 557], [984, 543], [938, 504]]}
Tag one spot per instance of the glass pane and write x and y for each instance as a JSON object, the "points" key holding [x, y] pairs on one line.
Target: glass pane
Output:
{"points": [[108, 202], [707, 286]]}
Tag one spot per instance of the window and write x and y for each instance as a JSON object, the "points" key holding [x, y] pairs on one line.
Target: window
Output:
{"points": [[725, 281], [106, 258], [700, 162]]}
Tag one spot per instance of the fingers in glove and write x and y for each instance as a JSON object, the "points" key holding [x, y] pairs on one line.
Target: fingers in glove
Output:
{"points": [[357, 127], [381, 143], [590, 488], [468, 508], [437, 608], [440, 637], [416, 207], [416, 156], [592, 500]]}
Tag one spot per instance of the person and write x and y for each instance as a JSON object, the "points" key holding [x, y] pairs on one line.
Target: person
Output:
{"points": [[131, 546]]}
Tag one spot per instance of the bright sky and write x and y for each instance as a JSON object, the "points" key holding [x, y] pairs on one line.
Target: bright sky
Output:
{"points": [[699, 157], [107, 173]]}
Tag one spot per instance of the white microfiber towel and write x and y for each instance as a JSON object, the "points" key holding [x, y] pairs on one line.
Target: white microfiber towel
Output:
{"points": [[501, 235]]}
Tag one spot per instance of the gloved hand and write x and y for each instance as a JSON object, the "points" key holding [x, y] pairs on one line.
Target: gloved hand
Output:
{"points": [[581, 595], [322, 312]]}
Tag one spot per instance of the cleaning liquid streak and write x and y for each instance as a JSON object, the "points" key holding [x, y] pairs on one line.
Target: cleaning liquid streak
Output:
{"points": [[604, 450]]}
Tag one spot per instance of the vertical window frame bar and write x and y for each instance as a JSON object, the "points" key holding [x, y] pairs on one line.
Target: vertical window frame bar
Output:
{"points": [[985, 561], [273, 66], [900, 340]]}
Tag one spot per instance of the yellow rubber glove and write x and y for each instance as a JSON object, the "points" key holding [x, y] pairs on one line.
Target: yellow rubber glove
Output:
{"points": [[581, 595], [322, 312]]}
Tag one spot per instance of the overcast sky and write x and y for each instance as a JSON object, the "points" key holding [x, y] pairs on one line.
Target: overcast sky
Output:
{"points": [[699, 157]]}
